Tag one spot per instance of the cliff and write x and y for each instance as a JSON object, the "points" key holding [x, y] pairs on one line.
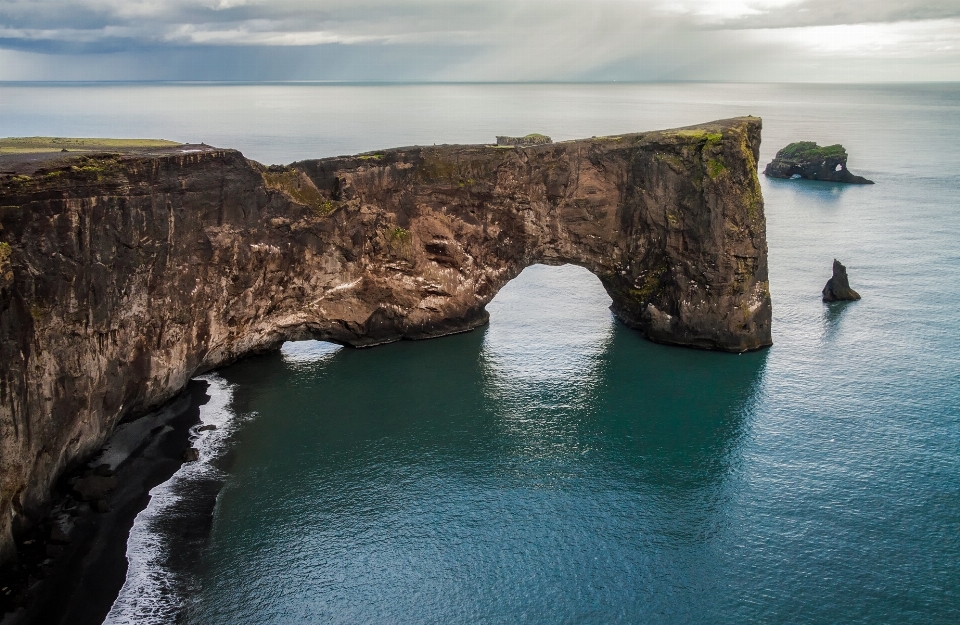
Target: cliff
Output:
{"points": [[806, 159], [124, 275]]}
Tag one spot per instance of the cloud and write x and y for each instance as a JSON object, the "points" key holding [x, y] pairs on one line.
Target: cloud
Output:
{"points": [[478, 39], [803, 13]]}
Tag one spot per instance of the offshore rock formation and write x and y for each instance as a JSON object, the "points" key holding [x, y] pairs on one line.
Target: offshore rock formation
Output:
{"points": [[124, 275], [838, 288], [806, 159]]}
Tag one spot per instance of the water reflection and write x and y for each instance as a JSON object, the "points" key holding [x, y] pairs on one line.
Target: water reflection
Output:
{"points": [[542, 358], [833, 314], [308, 353]]}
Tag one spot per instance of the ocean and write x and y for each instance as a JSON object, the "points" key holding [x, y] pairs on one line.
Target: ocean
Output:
{"points": [[554, 466]]}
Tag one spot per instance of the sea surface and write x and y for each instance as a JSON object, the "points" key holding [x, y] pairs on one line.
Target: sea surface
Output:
{"points": [[555, 467]]}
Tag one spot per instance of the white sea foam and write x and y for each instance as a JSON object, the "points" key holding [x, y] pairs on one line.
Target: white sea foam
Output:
{"points": [[150, 594]]}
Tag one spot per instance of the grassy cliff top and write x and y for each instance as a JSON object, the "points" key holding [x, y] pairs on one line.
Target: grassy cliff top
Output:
{"points": [[810, 151], [24, 145]]}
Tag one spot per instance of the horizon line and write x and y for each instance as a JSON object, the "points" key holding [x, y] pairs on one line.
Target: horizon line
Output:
{"points": [[468, 82]]}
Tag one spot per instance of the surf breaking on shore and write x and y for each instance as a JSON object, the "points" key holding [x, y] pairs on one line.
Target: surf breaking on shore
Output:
{"points": [[155, 590]]}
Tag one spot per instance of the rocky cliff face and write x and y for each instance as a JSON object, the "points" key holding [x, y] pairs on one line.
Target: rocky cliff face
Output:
{"points": [[122, 276]]}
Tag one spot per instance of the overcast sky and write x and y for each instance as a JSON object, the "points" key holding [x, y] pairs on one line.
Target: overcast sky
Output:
{"points": [[480, 40]]}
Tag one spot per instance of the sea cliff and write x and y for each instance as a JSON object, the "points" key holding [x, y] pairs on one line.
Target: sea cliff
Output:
{"points": [[122, 275]]}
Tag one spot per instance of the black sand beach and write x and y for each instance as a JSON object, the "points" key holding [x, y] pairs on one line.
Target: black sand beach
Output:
{"points": [[72, 574]]}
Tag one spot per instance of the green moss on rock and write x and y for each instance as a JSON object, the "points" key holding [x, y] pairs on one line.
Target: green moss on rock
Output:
{"points": [[809, 151], [297, 186]]}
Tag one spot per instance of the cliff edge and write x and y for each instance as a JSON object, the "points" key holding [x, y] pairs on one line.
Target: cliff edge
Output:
{"points": [[123, 275]]}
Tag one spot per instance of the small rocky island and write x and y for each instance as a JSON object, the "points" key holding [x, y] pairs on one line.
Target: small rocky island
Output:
{"points": [[806, 159], [838, 288]]}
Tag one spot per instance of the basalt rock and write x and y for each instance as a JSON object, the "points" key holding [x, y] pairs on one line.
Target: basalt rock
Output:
{"points": [[838, 288], [806, 159], [124, 275]]}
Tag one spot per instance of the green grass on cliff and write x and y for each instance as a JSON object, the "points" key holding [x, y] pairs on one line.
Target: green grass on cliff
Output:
{"points": [[713, 138], [27, 145], [811, 152], [299, 187]]}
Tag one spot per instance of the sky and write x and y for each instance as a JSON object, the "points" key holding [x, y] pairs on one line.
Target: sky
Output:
{"points": [[481, 40]]}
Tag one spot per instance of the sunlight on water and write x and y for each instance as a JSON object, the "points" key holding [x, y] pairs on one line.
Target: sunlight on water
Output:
{"points": [[542, 386]]}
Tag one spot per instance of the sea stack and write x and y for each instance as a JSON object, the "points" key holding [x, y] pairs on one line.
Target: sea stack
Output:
{"points": [[806, 159], [838, 288]]}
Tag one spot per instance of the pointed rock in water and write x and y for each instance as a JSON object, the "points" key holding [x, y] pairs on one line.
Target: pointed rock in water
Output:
{"points": [[192, 454], [838, 287], [806, 159]]}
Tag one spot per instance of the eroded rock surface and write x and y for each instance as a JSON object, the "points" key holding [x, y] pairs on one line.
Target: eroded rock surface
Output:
{"points": [[806, 159], [125, 275]]}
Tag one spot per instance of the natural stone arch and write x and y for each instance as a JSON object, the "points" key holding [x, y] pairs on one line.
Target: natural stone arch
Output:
{"points": [[124, 275], [671, 222]]}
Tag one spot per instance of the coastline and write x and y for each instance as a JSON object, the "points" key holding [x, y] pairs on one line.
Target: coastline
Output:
{"points": [[77, 582]]}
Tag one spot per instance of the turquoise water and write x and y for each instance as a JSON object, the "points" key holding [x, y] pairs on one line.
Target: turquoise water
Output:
{"points": [[554, 467]]}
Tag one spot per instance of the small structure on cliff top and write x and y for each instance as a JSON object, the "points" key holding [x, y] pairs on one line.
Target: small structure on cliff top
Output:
{"points": [[531, 139], [806, 159], [838, 288]]}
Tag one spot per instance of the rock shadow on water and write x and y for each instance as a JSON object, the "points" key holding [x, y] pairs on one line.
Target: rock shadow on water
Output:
{"points": [[821, 191], [684, 412]]}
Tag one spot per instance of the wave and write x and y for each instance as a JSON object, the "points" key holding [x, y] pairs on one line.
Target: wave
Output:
{"points": [[156, 588]]}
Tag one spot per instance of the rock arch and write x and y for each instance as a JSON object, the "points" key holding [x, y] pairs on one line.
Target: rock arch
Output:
{"points": [[122, 276], [671, 222]]}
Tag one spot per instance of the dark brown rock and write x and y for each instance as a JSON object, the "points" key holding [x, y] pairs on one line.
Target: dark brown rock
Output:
{"points": [[191, 454], [54, 551], [124, 275], [58, 536], [94, 487], [838, 287]]}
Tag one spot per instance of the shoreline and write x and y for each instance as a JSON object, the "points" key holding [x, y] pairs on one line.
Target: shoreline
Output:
{"points": [[72, 564]]}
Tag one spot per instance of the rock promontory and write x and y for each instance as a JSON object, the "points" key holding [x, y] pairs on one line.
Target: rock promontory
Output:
{"points": [[123, 274], [837, 288], [806, 159]]}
